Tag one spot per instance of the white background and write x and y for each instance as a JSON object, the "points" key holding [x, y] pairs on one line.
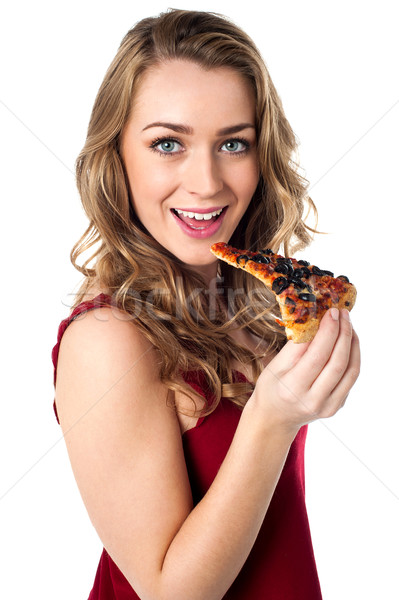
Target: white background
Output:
{"points": [[335, 66]]}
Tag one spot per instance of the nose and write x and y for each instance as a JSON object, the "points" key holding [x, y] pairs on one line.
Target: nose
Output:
{"points": [[202, 175]]}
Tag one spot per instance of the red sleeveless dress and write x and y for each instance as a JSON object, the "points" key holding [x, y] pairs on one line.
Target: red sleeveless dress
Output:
{"points": [[281, 564]]}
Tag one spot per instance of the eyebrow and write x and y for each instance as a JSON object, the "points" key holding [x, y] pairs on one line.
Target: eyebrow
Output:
{"points": [[185, 129]]}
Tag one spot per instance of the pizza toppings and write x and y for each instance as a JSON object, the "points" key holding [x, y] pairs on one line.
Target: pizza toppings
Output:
{"points": [[279, 285], [307, 297], [303, 291], [320, 272], [261, 258], [242, 257]]}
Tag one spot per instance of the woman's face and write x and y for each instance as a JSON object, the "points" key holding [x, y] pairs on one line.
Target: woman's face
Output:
{"points": [[189, 150]]}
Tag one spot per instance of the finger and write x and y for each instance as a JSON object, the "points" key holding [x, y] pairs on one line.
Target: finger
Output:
{"points": [[338, 361], [319, 351], [287, 358], [341, 391]]}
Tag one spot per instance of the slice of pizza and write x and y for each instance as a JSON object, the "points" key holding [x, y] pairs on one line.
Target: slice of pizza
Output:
{"points": [[303, 291]]}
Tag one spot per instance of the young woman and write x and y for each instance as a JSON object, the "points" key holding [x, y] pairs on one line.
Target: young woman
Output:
{"points": [[184, 409]]}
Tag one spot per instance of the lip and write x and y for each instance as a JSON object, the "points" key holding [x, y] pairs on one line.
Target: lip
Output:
{"points": [[207, 231], [200, 211]]}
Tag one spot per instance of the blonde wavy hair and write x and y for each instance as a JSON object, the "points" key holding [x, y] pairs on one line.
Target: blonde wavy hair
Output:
{"points": [[167, 300]]}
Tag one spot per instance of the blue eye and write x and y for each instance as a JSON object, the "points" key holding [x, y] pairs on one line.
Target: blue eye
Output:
{"points": [[236, 146], [165, 146]]}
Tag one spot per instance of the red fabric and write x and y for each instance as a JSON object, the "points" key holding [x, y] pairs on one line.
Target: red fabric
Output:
{"points": [[281, 565]]}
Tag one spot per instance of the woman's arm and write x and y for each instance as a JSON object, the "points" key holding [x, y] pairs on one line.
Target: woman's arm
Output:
{"points": [[126, 451]]}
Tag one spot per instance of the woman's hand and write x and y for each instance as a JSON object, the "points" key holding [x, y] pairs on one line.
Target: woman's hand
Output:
{"points": [[305, 382]]}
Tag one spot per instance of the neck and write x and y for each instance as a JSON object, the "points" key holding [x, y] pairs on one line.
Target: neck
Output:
{"points": [[209, 274]]}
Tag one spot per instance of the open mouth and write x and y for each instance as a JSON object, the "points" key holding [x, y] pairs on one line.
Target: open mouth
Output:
{"points": [[198, 220]]}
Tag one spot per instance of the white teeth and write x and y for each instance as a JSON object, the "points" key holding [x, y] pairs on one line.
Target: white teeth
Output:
{"points": [[199, 216]]}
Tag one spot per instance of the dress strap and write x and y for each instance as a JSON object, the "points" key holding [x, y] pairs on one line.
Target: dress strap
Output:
{"points": [[97, 302]]}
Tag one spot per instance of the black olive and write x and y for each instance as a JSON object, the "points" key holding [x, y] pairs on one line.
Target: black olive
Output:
{"points": [[282, 268], [260, 258], [279, 285], [304, 263], [291, 304], [244, 256], [298, 273], [343, 278], [346, 303], [306, 272], [285, 268], [322, 272], [289, 300], [317, 271], [297, 283], [307, 297], [267, 251], [284, 260]]}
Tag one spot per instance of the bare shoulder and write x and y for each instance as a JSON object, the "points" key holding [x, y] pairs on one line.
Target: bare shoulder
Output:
{"points": [[123, 440], [107, 325], [98, 350]]}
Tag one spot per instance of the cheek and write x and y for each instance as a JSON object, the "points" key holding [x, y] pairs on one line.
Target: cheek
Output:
{"points": [[247, 181], [149, 184]]}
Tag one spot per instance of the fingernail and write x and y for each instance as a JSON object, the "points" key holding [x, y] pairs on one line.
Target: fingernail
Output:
{"points": [[345, 314], [335, 314]]}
